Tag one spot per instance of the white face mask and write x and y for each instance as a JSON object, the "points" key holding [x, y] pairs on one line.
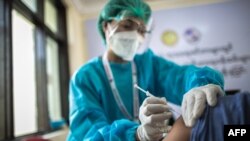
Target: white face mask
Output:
{"points": [[125, 44]]}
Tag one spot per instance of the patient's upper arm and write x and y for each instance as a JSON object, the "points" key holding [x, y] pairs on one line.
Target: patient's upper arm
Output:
{"points": [[179, 131]]}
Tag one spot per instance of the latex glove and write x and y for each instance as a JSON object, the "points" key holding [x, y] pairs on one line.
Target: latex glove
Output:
{"points": [[154, 115], [195, 100]]}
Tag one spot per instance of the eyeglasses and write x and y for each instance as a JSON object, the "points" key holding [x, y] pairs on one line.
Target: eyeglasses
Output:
{"points": [[132, 24]]}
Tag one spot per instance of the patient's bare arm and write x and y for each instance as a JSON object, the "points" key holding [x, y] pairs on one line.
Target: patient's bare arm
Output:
{"points": [[179, 131]]}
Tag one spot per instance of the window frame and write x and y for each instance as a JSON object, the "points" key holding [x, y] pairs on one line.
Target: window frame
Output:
{"points": [[6, 126], [6, 70]]}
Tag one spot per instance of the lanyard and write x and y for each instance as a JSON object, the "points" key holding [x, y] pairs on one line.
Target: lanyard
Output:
{"points": [[116, 92]]}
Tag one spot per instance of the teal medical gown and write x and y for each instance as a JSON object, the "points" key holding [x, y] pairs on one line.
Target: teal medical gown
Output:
{"points": [[94, 114]]}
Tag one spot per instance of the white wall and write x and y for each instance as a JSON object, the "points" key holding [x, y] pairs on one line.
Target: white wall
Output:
{"points": [[224, 42]]}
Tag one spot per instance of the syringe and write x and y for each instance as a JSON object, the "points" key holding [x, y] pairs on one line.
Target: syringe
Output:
{"points": [[146, 92], [150, 95]]}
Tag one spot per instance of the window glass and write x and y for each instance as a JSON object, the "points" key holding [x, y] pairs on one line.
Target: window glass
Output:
{"points": [[53, 81], [31, 4], [50, 16], [24, 82]]}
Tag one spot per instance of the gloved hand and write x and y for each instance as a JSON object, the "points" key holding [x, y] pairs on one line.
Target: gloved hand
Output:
{"points": [[154, 115], [194, 102]]}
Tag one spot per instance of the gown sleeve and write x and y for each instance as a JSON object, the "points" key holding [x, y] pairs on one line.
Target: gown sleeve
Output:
{"points": [[175, 80], [88, 120]]}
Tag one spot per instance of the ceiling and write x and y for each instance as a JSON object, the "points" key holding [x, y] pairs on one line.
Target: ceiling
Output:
{"points": [[88, 6], [93, 6]]}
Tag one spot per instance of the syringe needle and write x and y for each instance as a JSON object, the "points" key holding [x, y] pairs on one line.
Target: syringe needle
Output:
{"points": [[146, 92], [136, 86]]}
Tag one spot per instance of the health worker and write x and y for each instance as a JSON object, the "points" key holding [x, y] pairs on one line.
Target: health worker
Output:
{"points": [[105, 105]]}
